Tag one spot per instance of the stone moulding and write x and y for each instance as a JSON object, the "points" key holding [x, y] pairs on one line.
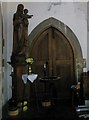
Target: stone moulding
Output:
{"points": [[68, 33]]}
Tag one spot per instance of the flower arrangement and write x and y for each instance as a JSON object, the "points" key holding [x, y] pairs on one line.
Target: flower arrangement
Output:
{"points": [[29, 60]]}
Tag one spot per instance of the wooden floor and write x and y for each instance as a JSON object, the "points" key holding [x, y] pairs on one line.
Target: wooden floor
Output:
{"points": [[59, 111]]}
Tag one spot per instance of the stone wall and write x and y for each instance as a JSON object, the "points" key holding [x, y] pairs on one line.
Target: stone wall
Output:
{"points": [[0, 64]]}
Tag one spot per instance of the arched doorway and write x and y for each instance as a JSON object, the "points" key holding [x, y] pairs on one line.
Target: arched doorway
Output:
{"points": [[52, 42]]}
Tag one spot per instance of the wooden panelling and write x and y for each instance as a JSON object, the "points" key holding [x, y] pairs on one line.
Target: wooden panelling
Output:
{"points": [[53, 47]]}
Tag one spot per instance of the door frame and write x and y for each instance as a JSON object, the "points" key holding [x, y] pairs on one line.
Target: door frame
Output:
{"points": [[69, 34]]}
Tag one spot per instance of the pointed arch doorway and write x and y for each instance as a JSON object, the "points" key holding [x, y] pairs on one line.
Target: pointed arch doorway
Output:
{"points": [[50, 43]]}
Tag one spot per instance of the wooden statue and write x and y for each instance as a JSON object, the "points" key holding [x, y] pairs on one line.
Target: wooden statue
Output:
{"points": [[20, 34], [19, 51]]}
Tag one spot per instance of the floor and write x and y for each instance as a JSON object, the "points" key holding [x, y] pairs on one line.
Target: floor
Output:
{"points": [[59, 110]]}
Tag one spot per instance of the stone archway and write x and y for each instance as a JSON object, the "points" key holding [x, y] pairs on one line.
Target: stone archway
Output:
{"points": [[69, 34]]}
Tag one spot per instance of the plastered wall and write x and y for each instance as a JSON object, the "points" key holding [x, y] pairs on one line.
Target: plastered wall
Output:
{"points": [[73, 14]]}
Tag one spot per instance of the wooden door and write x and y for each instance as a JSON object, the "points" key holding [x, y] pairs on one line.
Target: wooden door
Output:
{"points": [[52, 46]]}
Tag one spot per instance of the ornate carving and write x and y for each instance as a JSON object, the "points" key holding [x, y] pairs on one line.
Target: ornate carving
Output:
{"points": [[20, 50], [20, 34]]}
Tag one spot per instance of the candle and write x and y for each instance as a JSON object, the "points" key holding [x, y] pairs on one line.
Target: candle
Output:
{"points": [[44, 69]]}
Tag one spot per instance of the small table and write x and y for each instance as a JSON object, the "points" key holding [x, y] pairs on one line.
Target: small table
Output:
{"points": [[25, 78]]}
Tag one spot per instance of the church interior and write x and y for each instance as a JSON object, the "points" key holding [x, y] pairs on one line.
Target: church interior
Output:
{"points": [[44, 60]]}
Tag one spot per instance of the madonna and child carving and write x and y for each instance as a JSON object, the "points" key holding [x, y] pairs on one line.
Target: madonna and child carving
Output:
{"points": [[20, 32]]}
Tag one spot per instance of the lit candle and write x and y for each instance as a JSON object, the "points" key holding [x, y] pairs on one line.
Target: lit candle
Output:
{"points": [[44, 69]]}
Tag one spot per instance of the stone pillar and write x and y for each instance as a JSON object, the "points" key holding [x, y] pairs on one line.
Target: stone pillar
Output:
{"points": [[0, 63]]}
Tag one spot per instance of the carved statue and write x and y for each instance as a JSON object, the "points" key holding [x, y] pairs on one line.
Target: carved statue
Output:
{"points": [[20, 32]]}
